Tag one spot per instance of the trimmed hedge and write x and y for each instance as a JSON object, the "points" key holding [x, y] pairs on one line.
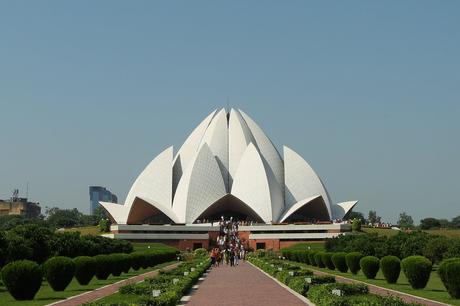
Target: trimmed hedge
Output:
{"points": [[59, 272], [326, 258], [339, 261], [352, 259], [103, 266], [85, 269], [417, 270], [311, 257], [117, 264], [22, 279], [449, 272], [370, 266], [319, 260], [391, 268]]}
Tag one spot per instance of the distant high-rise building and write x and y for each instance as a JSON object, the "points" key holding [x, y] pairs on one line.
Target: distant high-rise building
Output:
{"points": [[98, 193]]}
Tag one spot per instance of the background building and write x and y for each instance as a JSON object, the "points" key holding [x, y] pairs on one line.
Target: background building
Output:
{"points": [[98, 193], [19, 206]]}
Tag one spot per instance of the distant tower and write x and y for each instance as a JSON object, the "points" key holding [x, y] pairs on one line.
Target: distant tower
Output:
{"points": [[99, 193]]}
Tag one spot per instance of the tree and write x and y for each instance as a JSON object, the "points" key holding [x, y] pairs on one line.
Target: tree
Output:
{"points": [[356, 215], [405, 221], [456, 222], [373, 218], [444, 223], [63, 217], [428, 223]]}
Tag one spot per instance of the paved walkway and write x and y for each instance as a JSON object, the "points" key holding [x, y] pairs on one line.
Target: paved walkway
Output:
{"points": [[108, 290], [241, 285]]}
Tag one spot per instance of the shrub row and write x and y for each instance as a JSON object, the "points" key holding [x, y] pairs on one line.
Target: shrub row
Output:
{"points": [[416, 268], [319, 289], [23, 278]]}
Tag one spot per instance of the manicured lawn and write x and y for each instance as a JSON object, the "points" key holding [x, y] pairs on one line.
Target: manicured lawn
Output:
{"points": [[46, 295], [85, 230], [434, 290], [144, 246], [317, 246]]}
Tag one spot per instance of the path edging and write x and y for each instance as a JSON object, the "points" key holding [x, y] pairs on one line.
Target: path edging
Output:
{"points": [[298, 295]]}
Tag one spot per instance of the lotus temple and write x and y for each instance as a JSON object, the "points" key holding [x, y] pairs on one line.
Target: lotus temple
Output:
{"points": [[228, 167]]}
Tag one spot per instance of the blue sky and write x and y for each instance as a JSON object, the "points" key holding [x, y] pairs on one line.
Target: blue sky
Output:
{"points": [[367, 92]]}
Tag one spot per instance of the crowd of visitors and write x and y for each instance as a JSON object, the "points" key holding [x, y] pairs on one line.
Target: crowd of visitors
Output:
{"points": [[229, 247]]}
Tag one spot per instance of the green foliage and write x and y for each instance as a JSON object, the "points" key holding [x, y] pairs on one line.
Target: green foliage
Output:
{"points": [[429, 223], [436, 248], [319, 260], [352, 259], [449, 272], [311, 257], [117, 262], [355, 215], [22, 279], [391, 267], [36, 238], [103, 266], [405, 221], [298, 284], [356, 225], [326, 258], [59, 272], [104, 225], [339, 261], [201, 252], [417, 270], [85, 269], [370, 266]]}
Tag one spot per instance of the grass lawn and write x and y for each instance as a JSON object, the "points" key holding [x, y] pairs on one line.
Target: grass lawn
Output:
{"points": [[144, 246], [452, 233], [317, 246], [46, 295], [434, 290], [85, 230]]}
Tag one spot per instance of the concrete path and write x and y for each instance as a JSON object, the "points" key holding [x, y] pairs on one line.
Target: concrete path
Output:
{"points": [[240, 285], [109, 289]]}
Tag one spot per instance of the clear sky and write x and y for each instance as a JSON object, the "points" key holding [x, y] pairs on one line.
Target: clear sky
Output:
{"points": [[368, 92]]}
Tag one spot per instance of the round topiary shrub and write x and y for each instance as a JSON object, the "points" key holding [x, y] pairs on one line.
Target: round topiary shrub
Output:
{"points": [[449, 272], [417, 270], [311, 257], [103, 266], [370, 266], [136, 260], [307, 257], [326, 258], [338, 259], [126, 263], [85, 268], [352, 259], [117, 261], [59, 272], [319, 260], [22, 279], [391, 267]]}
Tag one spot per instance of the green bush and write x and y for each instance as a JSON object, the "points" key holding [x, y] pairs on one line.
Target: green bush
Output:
{"points": [[417, 270], [201, 252], [326, 258], [22, 279], [352, 259], [117, 264], [319, 260], [85, 268], [370, 266], [103, 266], [449, 272], [125, 262], [339, 261], [59, 272], [356, 225], [297, 283], [391, 267], [136, 260], [311, 257], [307, 257]]}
